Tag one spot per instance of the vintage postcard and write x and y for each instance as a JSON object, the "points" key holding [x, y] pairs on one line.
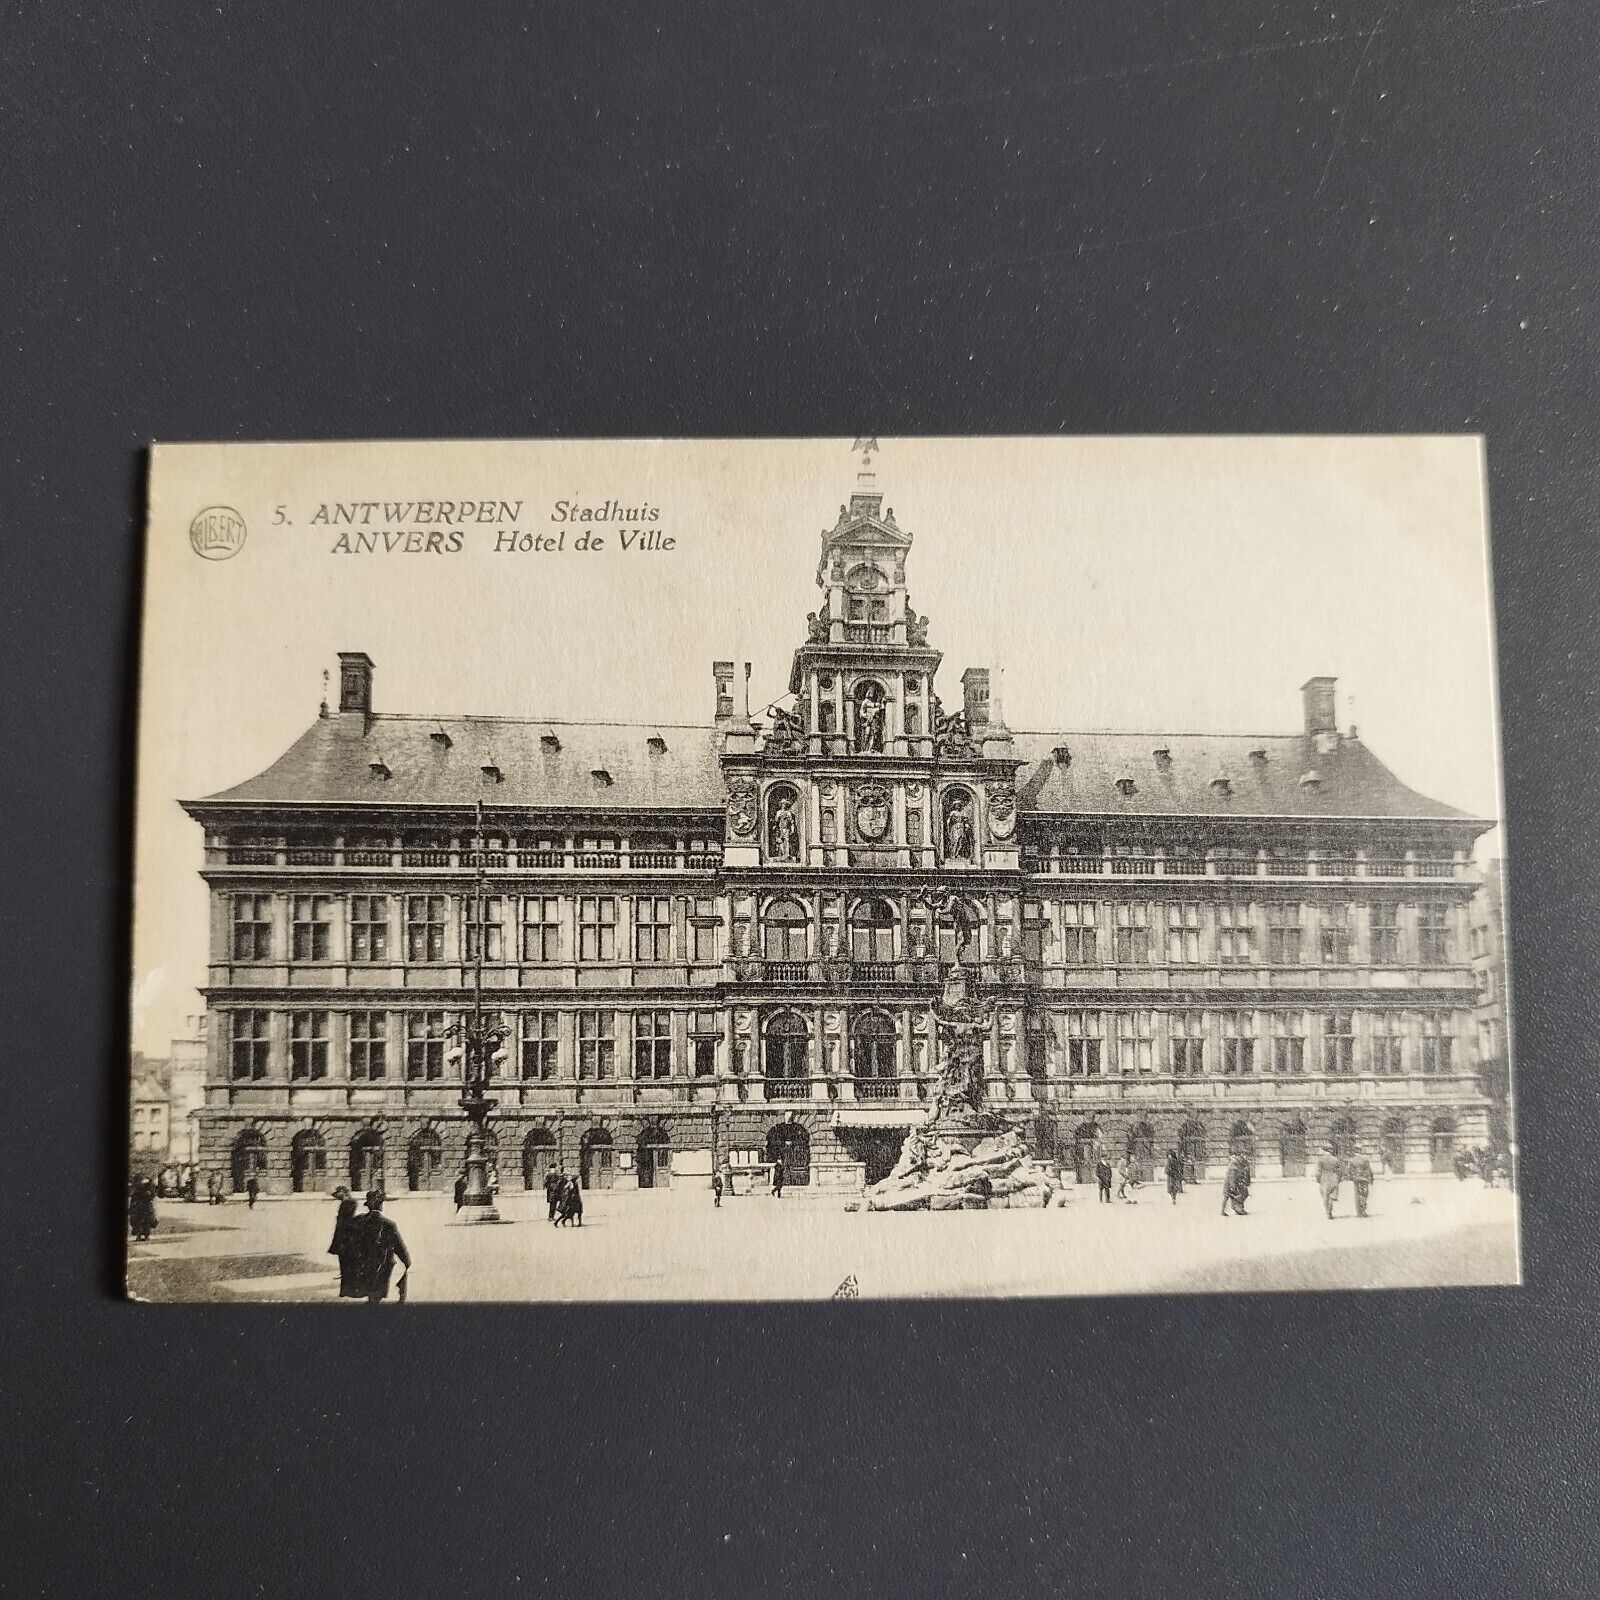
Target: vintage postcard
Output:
{"points": [[759, 869]]}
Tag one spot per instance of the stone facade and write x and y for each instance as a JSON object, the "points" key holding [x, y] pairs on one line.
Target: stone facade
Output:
{"points": [[727, 940]]}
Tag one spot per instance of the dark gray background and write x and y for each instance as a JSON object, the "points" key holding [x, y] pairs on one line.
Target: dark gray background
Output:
{"points": [[326, 221]]}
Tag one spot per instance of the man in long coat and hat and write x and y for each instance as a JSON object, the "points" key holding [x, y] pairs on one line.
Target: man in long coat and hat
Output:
{"points": [[342, 1245], [375, 1246]]}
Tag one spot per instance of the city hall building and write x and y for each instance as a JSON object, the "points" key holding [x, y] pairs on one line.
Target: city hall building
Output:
{"points": [[724, 942]]}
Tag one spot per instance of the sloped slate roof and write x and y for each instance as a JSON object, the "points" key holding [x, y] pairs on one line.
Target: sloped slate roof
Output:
{"points": [[1352, 781], [330, 764]]}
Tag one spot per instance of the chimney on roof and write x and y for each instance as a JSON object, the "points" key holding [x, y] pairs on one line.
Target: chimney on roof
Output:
{"points": [[722, 675], [1317, 693], [975, 696], [355, 682]]}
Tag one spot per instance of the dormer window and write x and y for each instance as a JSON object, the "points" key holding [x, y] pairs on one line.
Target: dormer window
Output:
{"points": [[1163, 758], [549, 740], [658, 745], [1311, 779], [1222, 786], [1062, 755], [1126, 785], [490, 770], [1258, 757], [378, 769], [602, 778], [441, 738]]}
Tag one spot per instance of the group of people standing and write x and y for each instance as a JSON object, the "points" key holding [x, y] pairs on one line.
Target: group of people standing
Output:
{"points": [[367, 1245], [564, 1196], [1332, 1171]]}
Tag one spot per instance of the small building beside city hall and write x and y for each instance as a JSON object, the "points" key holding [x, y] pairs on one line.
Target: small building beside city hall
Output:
{"points": [[723, 943]]}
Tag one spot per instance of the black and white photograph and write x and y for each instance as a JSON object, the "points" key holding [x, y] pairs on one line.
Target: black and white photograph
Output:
{"points": [[776, 870]]}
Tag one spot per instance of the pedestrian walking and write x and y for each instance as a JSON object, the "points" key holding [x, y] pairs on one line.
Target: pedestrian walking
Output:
{"points": [[342, 1245], [1361, 1177], [1174, 1175], [1103, 1176], [1330, 1174], [461, 1190], [1236, 1184], [1127, 1179], [252, 1188], [716, 1190], [554, 1182], [571, 1208], [141, 1208], [375, 1246], [777, 1180]]}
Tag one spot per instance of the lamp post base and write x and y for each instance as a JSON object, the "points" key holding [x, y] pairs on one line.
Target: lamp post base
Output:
{"points": [[480, 1213]]}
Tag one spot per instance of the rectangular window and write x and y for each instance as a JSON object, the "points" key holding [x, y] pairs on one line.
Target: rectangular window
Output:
{"points": [[250, 1046], [1238, 1043], [1288, 1041], [1338, 1042], [491, 929], [540, 1045], [652, 1044], [1183, 932], [425, 927], [1433, 935], [1436, 1046], [703, 938], [1132, 926], [1386, 933], [1236, 935], [1136, 1041], [705, 1058], [597, 1044], [1188, 1043], [652, 928], [369, 1046], [597, 928], [1038, 1056], [1083, 1044], [541, 928], [308, 1046], [312, 930], [1388, 1043], [252, 927], [369, 927], [1079, 942], [1338, 934], [1283, 933], [425, 1042]]}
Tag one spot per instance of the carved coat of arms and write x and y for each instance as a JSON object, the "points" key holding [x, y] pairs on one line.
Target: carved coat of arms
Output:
{"points": [[1002, 809], [872, 812], [741, 807]]}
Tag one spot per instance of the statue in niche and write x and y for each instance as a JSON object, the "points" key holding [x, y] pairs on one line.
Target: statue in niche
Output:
{"points": [[869, 719], [958, 828], [783, 843]]}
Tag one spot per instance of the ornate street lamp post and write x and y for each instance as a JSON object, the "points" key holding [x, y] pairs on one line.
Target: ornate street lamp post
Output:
{"points": [[480, 1048]]}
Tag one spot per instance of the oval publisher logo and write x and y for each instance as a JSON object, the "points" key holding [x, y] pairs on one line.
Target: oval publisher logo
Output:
{"points": [[217, 533]]}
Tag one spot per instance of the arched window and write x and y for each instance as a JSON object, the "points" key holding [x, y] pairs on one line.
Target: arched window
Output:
{"points": [[783, 931], [872, 931], [1393, 1143], [1142, 1151], [1292, 1148], [1192, 1149], [872, 1056], [653, 1157], [538, 1156], [366, 1161], [786, 1061], [308, 1162], [249, 1158], [424, 1159], [1085, 1144], [1342, 1137], [596, 1159], [1442, 1144]]}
